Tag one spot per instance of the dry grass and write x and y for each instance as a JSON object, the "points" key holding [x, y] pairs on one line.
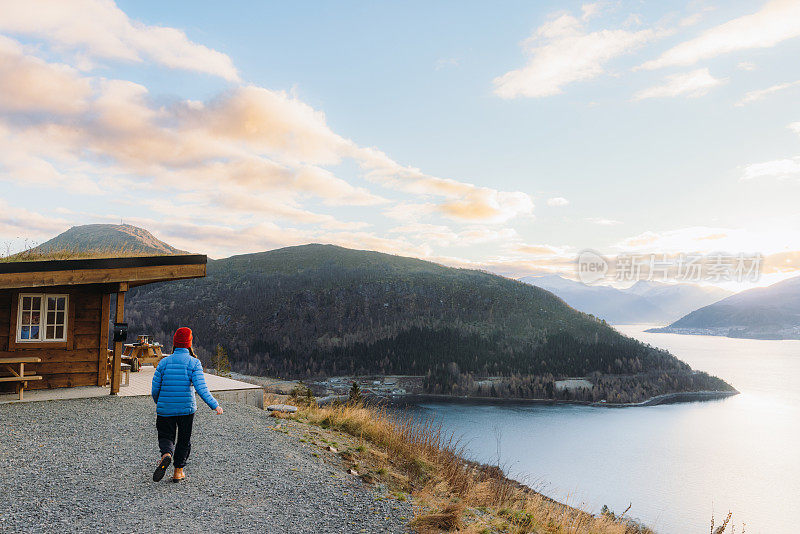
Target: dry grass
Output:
{"points": [[72, 254], [450, 519], [722, 529], [450, 493]]}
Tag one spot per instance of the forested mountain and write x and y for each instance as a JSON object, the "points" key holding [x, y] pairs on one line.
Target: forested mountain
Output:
{"points": [[322, 310], [644, 302], [771, 312]]}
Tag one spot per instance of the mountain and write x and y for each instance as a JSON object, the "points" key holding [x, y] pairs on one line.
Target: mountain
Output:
{"points": [[644, 302], [771, 312], [675, 300], [121, 238], [322, 310], [605, 302]]}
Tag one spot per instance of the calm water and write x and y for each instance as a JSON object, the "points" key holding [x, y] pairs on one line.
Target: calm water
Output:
{"points": [[675, 464]]}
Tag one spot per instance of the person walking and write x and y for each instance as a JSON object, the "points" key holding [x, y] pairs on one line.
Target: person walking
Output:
{"points": [[176, 378]]}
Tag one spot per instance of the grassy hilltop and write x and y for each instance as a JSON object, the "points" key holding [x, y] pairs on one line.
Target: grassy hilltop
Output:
{"points": [[97, 241]]}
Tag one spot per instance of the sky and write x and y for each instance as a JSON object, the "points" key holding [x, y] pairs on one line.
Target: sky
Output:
{"points": [[506, 136]]}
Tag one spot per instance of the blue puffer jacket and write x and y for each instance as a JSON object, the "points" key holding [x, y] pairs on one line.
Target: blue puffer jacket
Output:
{"points": [[176, 378]]}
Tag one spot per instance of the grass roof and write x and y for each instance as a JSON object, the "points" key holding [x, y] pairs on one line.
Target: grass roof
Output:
{"points": [[76, 254]]}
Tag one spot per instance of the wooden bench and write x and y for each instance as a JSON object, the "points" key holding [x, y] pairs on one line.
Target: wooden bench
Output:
{"points": [[20, 377], [124, 367], [126, 370]]}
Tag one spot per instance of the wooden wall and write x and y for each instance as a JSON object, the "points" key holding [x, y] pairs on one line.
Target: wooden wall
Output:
{"points": [[81, 360], [5, 322]]}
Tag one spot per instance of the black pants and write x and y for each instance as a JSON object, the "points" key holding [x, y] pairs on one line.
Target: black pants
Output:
{"points": [[166, 426]]}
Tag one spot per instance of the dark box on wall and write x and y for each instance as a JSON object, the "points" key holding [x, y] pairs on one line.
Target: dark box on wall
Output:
{"points": [[120, 332]]}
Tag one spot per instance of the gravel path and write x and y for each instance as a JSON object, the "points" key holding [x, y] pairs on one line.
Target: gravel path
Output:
{"points": [[86, 466]]}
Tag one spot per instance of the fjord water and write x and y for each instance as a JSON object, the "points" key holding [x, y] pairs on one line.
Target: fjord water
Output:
{"points": [[675, 464]]}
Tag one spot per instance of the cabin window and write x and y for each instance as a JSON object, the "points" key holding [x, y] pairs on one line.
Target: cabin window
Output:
{"points": [[42, 318]]}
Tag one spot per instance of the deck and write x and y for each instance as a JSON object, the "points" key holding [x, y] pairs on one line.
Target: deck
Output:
{"points": [[224, 389]]}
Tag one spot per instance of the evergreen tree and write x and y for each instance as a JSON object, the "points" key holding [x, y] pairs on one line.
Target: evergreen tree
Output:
{"points": [[355, 393]]}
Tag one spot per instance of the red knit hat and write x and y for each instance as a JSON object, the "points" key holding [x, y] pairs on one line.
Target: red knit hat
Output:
{"points": [[182, 338]]}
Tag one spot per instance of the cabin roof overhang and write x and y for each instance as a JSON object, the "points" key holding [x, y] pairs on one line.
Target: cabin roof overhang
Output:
{"points": [[134, 271]]}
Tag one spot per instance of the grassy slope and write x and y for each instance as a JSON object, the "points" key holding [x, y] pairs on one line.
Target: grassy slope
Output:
{"points": [[449, 493]]}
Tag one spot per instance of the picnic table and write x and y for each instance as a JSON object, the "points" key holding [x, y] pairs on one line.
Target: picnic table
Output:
{"points": [[20, 378], [137, 354]]}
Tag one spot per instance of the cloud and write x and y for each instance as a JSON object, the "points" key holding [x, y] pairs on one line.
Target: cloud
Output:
{"points": [[26, 159], [266, 206], [219, 240], [590, 11], [777, 21], [410, 211], [562, 52], [429, 233], [557, 202], [601, 221], [120, 135], [746, 65], [29, 84], [270, 122], [98, 28], [462, 201], [712, 237], [795, 127], [445, 62], [690, 84], [444, 236], [247, 136], [770, 237], [519, 266], [690, 20], [488, 205], [783, 263], [539, 250], [16, 221], [481, 234], [781, 169], [758, 94]]}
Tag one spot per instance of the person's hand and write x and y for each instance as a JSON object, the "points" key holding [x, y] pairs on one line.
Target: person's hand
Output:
{"points": [[219, 410]]}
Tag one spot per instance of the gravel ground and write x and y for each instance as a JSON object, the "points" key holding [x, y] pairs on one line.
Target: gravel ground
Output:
{"points": [[86, 466]]}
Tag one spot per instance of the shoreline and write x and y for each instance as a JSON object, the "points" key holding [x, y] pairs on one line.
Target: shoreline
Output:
{"points": [[278, 386], [722, 332], [423, 398]]}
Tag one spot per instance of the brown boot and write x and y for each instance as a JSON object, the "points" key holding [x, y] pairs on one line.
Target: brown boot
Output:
{"points": [[178, 475], [161, 468]]}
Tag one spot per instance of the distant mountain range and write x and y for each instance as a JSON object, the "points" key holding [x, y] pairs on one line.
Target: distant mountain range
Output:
{"points": [[644, 302], [120, 238], [771, 312], [323, 310]]}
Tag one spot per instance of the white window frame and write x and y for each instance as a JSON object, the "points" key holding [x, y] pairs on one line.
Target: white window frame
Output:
{"points": [[42, 317]]}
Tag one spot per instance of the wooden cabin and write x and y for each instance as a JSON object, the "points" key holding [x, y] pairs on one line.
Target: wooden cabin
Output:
{"points": [[55, 316]]}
